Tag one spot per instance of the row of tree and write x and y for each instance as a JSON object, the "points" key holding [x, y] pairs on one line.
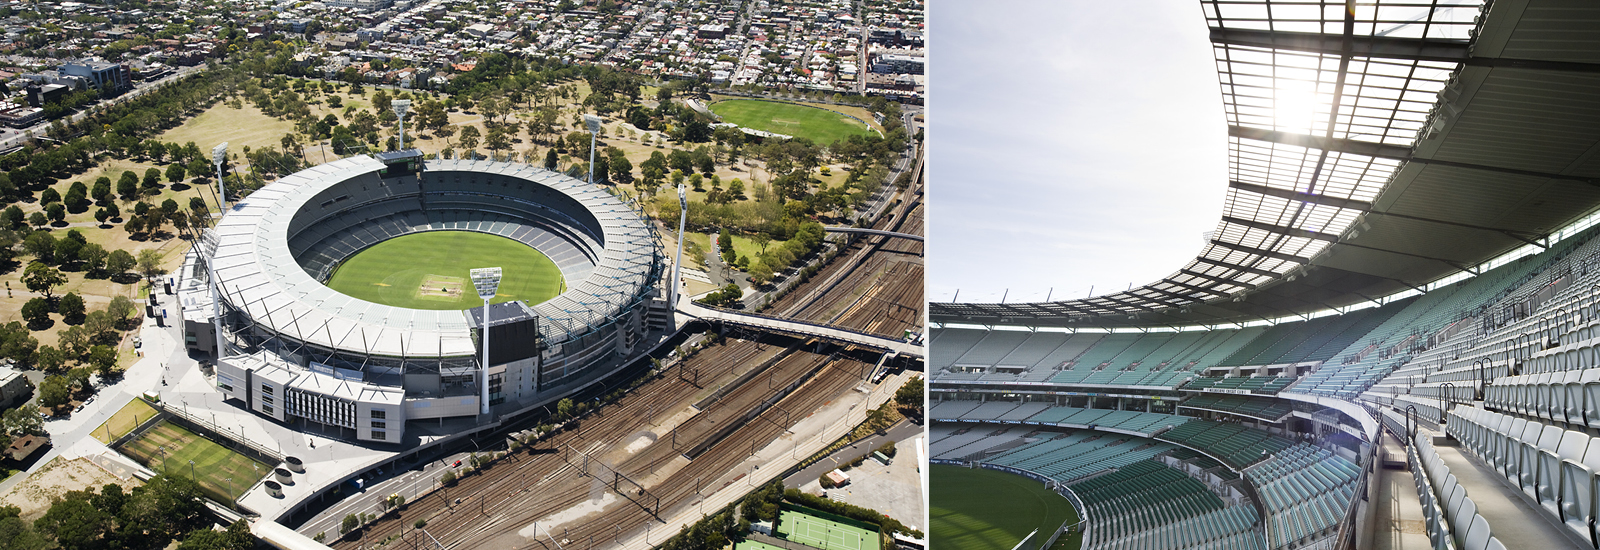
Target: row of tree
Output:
{"points": [[165, 510]]}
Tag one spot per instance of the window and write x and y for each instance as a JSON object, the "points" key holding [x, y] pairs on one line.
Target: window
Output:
{"points": [[379, 424], [266, 389], [266, 409], [377, 434], [224, 386], [266, 399], [380, 413]]}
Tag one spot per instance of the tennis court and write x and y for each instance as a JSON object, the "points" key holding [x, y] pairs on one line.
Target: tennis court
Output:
{"points": [[824, 534]]}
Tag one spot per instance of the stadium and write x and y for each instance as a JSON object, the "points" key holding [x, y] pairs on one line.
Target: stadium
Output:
{"points": [[301, 353], [1387, 341]]}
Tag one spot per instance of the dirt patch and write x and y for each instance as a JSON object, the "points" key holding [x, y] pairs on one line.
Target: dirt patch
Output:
{"points": [[36, 493]]}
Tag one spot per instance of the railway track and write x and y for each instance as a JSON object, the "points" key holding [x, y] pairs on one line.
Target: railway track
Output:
{"points": [[876, 285]]}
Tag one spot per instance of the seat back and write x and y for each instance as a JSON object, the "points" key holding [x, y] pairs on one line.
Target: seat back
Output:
{"points": [[1477, 534]]}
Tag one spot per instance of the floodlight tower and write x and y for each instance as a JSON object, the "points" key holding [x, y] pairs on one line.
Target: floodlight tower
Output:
{"points": [[487, 281], [677, 263], [593, 122], [219, 154], [401, 107]]}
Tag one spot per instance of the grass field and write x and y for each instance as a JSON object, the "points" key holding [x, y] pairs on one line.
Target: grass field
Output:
{"points": [[213, 463], [975, 509], [131, 415], [819, 125], [824, 534], [429, 270]]}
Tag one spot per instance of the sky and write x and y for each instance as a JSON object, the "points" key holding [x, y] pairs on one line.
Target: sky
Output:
{"points": [[1071, 145]]}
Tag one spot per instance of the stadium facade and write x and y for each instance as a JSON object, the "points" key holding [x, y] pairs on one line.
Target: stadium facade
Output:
{"points": [[298, 351], [1412, 261]]}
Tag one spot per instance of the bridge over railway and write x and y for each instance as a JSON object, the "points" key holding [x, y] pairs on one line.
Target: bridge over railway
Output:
{"points": [[774, 324], [872, 232]]}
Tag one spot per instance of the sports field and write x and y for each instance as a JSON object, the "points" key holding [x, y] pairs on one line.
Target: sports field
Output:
{"points": [[819, 125], [429, 270], [976, 509], [213, 463], [134, 413], [824, 534]]}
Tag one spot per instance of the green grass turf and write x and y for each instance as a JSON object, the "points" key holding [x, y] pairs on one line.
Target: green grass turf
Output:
{"points": [[819, 125], [976, 509], [392, 272], [213, 463], [820, 533], [131, 415]]}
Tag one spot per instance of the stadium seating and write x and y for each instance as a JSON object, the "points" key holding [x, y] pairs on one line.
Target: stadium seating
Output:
{"points": [[1451, 516]]}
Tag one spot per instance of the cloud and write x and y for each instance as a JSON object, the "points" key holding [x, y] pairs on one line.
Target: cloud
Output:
{"points": [[1070, 144]]}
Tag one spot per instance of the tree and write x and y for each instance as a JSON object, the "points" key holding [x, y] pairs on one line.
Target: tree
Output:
{"points": [[910, 395], [36, 312], [349, 523], [469, 137], [120, 261], [53, 391], [74, 522], [93, 257], [760, 272], [497, 140], [37, 219], [236, 537], [67, 251], [103, 358], [41, 245], [71, 308], [150, 265], [176, 172], [551, 160], [49, 196], [128, 185], [51, 359], [20, 421], [42, 279], [12, 218], [121, 308], [56, 211], [102, 190]]}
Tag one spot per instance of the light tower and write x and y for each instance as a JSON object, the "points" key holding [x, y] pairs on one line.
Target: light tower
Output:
{"points": [[401, 107], [677, 263], [487, 281], [593, 122], [219, 154]]}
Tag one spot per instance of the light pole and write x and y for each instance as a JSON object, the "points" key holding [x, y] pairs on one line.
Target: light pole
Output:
{"points": [[219, 154], [487, 281], [401, 106], [593, 122], [677, 263]]}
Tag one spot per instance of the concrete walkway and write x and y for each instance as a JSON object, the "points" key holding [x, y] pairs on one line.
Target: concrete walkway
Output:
{"points": [[1399, 523]]}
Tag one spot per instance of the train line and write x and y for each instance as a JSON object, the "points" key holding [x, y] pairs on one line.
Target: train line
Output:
{"points": [[708, 400]]}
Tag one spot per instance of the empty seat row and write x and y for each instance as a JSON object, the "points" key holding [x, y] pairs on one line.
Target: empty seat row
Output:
{"points": [[1570, 397], [1451, 517], [1556, 467]]}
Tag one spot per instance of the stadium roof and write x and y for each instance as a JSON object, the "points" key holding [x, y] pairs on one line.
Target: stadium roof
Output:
{"points": [[1373, 148]]}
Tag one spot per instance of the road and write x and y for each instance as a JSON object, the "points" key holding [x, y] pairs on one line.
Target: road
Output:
{"points": [[901, 431], [12, 137]]}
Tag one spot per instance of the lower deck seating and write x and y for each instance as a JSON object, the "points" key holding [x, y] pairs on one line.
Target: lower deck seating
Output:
{"points": [[1149, 505]]}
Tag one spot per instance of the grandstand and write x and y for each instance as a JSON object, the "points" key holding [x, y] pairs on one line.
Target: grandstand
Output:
{"points": [[298, 350], [1412, 279]]}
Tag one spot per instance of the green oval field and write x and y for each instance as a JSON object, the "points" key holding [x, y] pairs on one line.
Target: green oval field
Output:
{"points": [[976, 509], [428, 270], [819, 125]]}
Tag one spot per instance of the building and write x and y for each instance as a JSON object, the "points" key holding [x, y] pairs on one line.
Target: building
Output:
{"points": [[898, 64], [101, 74], [14, 386], [712, 31], [322, 357]]}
